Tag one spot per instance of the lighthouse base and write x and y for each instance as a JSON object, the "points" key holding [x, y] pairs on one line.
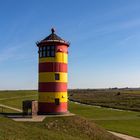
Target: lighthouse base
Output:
{"points": [[52, 108], [53, 113]]}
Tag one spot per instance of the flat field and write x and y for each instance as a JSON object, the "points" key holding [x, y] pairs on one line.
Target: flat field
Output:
{"points": [[126, 122], [123, 121], [127, 99], [70, 128]]}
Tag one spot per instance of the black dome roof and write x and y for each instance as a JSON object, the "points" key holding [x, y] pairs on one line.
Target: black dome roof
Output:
{"points": [[53, 38]]}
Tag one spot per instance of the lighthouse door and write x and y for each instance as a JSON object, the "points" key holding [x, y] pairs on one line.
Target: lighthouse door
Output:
{"points": [[57, 101]]}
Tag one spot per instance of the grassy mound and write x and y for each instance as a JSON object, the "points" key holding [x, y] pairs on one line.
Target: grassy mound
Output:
{"points": [[64, 128]]}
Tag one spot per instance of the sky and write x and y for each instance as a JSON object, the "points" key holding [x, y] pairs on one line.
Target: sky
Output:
{"points": [[104, 37]]}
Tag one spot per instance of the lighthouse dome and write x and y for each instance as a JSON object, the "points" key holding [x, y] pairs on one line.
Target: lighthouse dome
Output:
{"points": [[52, 38]]}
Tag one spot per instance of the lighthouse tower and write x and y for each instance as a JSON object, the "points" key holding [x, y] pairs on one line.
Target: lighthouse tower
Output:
{"points": [[53, 56]]}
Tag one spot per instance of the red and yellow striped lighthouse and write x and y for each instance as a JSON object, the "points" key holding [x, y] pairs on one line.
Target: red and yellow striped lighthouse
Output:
{"points": [[53, 58]]}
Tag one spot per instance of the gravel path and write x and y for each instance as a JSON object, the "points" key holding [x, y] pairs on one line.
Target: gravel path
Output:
{"points": [[9, 107], [125, 137]]}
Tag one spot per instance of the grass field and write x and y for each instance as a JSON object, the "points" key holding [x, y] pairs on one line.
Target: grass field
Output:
{"points": [[127, 122], [15, 98], [120, 121], [70, 128], [128, 99]]}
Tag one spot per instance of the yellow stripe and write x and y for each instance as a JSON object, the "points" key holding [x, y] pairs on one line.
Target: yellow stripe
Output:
{"points": [[49, 97], [59, 57], [50, 77]]}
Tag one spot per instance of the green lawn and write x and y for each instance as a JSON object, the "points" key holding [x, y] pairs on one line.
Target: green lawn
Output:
{"points": [[126, 122], [3, 110], [16, 93], [15, 98], [130, 127]]}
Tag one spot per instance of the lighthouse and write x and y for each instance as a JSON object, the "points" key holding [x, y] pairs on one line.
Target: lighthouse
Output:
{"points": [[52, 74]]}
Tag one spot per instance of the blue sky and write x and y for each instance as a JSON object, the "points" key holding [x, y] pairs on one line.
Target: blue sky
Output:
{"points": [[104, 37]]}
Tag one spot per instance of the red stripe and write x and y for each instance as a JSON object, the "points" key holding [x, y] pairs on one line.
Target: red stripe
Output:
{"points": [[41, 44], [53, 87], [52, 107], [52, 67], [62, 48]]}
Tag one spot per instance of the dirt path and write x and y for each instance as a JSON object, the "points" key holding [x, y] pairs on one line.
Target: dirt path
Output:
{"points": [[125, 137], [9, 107]]}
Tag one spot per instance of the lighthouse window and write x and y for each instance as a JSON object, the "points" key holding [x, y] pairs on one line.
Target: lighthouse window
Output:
{"points": [[47, 51], [52, 47], [40, 52], [50, 52], [48, 47], [57, 101], [44, 51], [57, 76], [44, 48]]}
